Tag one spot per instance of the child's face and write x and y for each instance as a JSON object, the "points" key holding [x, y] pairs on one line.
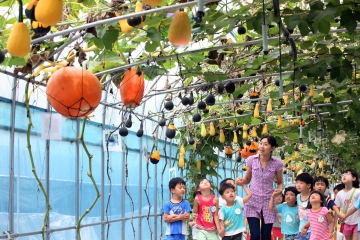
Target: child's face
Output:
{"points": [[179, 190], [320, 187], [347, 177], [315, 198], [204, 185], [232, 182], [229, 195], [278, 199], [290, 197], [302, 186]]}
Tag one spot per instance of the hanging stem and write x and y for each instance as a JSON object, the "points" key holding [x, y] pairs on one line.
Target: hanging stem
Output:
{"points": [[90, 156], [30, 125]]}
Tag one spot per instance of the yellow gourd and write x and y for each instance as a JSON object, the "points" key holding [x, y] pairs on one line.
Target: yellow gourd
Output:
{"points": [[152, 3], [181, 161], [312, 165], [180, 29], [49, 12], [265, 130], [235, 140], [245, 127], [253, 132], [269, 106], [256, 111], [321, 164], [136, 21], [203, 130], [296, 154], [222, 136], [212, 129], [245, 135], [18, 44], [311, 91], [286, 98], [298, 167], [198, 164], [124, 26], [279, 122], [182, 149], [213, 164]]}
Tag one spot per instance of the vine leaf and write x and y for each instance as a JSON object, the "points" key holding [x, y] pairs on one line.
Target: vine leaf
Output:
{"points": [[348, 20], [341, 71], [110, 38]]}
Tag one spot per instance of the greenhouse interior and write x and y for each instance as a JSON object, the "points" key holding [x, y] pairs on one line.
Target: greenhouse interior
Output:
{"points": [[130, 94]]}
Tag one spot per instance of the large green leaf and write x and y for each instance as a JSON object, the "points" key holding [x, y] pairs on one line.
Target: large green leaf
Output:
{"points": [[348, 20], [341, 70]]}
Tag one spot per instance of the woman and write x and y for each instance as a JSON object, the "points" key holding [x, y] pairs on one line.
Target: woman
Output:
{"points": [[261, 171]]}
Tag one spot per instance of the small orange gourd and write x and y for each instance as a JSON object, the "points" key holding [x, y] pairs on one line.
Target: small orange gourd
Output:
{"points": [[180, 29], [152, 3], [132, 88], [18, 43], [49, 12], [73, 92]]}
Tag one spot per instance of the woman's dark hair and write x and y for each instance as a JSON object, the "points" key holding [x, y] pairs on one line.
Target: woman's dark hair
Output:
{"points": [[355, 175], [321, 199], [271, 140], [291, 189]]}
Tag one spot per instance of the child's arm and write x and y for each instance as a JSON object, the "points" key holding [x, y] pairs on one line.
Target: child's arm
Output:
{"points": [[195, 208], [350, 212], [330, 220], [216, 215], [221, 231], [305, 228], [168, 218], [271, 203], [248, 193]]}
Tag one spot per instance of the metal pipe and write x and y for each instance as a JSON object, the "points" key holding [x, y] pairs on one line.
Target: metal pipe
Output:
{"points": [[16, 235], [103, 168], [77, 169], [12, 156], [123, 183], [47, 175], [155, 200], [114, 19]]}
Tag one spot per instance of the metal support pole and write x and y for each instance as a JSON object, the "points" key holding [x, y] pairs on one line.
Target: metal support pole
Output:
{"points": [[47, 176], [77, 169], [102, 190], [140, 180], [12, 157], [155, 201], [123, 192]]}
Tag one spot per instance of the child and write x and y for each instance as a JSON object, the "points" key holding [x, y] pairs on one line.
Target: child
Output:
{"points": [[231, 214], [176, 211], [231, 181], [289, 213], [206, 207], [304, 184], [276, 228], [319, 218], [337, 189], [345, 199]]}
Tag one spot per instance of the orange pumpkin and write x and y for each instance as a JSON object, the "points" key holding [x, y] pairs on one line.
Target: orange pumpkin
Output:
{"points": [[73, 92], [180, 29], [132, 88], [249, 150]]}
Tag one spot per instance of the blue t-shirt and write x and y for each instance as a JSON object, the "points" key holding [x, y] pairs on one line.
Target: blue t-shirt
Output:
{"points": [[178, 227], [302, 208], [289, 218], [357, 206], [233, 217], [328, 203]]}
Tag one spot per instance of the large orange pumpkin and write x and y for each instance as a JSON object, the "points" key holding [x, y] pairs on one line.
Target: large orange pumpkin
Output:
{"points": [[132, 88], [249, 150], [73, 92]]}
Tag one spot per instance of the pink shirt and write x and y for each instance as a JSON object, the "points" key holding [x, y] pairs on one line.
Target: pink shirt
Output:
{"points": [[319, 224], [261, 187], [206, 212]]}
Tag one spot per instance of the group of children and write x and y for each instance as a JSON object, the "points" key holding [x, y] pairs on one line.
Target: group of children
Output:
{"points": [[304, 212]]}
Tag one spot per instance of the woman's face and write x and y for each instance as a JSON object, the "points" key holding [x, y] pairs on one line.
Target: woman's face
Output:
{"points": [[265, 148]]}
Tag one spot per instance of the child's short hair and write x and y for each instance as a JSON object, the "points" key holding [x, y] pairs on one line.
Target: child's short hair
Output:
{"points": [[224, 187], [306, 178], [225, 180], [291, 189], [355, 175], [175, 181], [339, 187], [321, 179], [321, 198]]}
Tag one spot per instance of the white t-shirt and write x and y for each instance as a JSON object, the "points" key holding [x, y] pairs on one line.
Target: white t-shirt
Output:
{"points": [[222, 202], [341, 201]]}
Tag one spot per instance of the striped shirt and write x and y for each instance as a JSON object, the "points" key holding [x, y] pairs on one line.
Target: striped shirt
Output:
{"points": [[319, 224], [261, 187]]}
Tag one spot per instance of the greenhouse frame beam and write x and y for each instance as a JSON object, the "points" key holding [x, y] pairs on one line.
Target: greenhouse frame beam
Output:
{"points": [[208, 49]]}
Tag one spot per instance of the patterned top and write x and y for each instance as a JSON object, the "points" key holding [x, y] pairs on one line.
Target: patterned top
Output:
{"points": [[177, 227], [262, 188], [319, 224], [206, 210]]}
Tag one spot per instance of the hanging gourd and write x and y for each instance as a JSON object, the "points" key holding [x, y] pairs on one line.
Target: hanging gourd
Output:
{"points": [[198, 164], [312, 165], [286, 99], [181, 161], [206, 110], [222, 136], [123, 131], [228, 151], [265, 130], [49, 12], [171, 131], [245, 127], [254, 147], [2, 56], [235, 140], [30, 10], [180, 29], [169, 105], [140, 132], [245, 135], [254, 95], [152, 3], [269, 106], [196, 117], [203, 130], [155, 157], [162, 121], [124, 26], [73, 92], [18, 43], [240, 110], [182, 149], [191, 140], [253, 132], [39, 28], [212, 129], [210, 100], [256, 111], [213, 164], [244, 168], [311, 91], [279, 122], [132, 88], [136, 21], [191, 98], [296, 154]]}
